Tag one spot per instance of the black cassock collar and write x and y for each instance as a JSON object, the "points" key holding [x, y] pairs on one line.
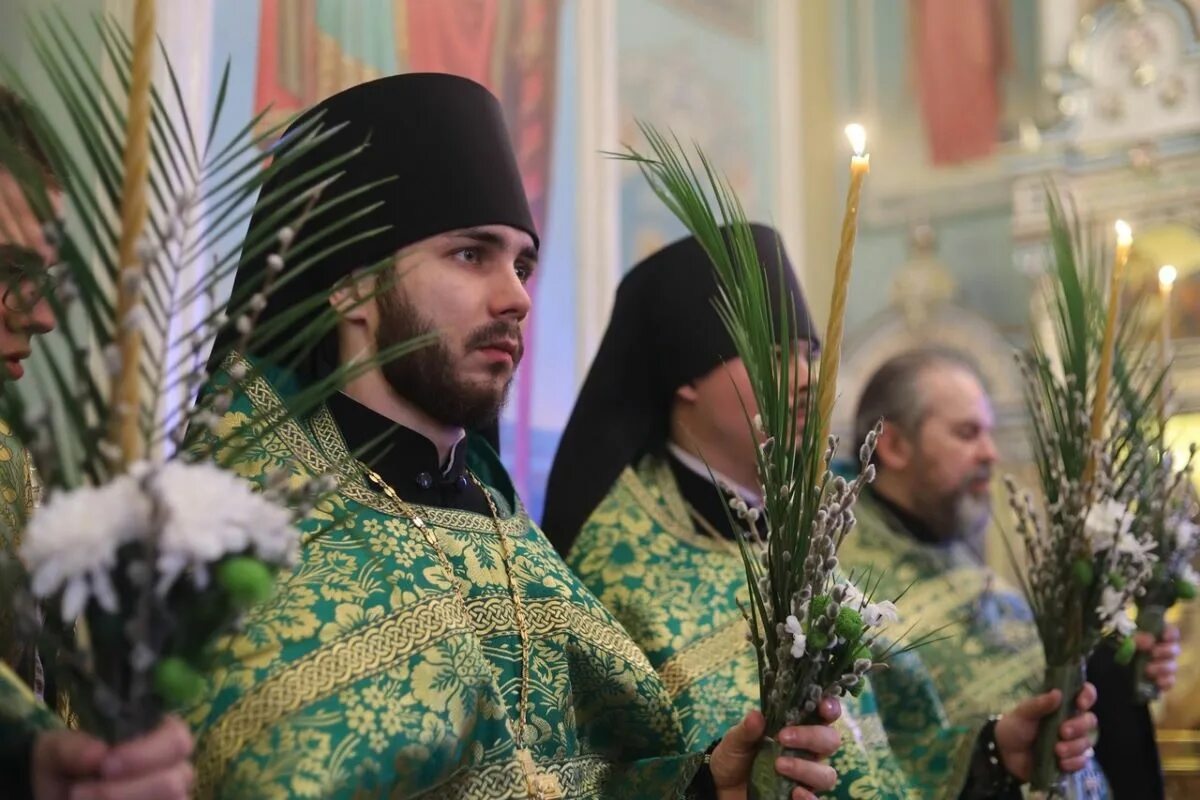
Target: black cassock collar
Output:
{"points": [[406, 459]]}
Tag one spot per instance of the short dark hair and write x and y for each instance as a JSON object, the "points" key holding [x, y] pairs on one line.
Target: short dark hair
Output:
{"points": [[19, 126], [894, 394]]}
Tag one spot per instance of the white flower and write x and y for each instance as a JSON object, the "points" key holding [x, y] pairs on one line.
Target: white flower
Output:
{"points": [[1112, 613], [852, 597], [72, 540], [1185, 533], [1123, 624], [1105, 521], [876, 614], [1130, 545], [799, 642], [206, 513], [210, 513]]}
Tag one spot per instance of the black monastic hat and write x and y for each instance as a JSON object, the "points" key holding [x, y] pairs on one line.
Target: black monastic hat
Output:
{"points": [[443, 141], [665, 332]]}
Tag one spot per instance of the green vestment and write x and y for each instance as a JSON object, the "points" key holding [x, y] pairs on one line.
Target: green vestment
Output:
{"points": [[16, 504], [676, 591], [365, 677], [988, 656]]}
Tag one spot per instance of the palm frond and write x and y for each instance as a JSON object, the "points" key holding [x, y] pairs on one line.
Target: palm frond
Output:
{"points": [[192, 170]]}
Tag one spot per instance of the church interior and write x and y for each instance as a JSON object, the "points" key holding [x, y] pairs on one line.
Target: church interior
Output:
{"points": [[969, 106]]}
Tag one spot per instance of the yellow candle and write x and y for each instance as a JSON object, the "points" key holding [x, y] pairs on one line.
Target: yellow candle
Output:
{"points": [[1166, 282], [1108, 343], [124, 430], [831, 350]]}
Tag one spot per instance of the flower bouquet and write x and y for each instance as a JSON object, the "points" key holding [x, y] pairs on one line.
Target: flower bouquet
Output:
{"points": [[1085, 560], [1165, 503], [147, 545], [812, 628]]}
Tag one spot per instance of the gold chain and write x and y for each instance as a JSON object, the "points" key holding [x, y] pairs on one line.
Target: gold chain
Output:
{"points": [[540, 786]]}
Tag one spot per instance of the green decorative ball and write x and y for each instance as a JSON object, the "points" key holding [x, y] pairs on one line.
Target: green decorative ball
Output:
{"points": [[176, 681], [849, 624], [1116, 581], [819, 604], [1126, 650], [1185, 589], [817, 640], [247, 580], [1083, 572], [857, 689]]}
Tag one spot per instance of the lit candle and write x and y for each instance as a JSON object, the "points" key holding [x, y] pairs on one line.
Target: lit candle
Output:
{"points": [[126, 406], [831, 351], [1108, 343], [1166, 282]]}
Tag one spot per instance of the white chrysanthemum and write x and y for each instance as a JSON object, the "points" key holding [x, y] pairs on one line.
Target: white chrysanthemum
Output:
{"points": [[799, 641], [210, 513], [1105, 522], [876, 614], [72, 540]]}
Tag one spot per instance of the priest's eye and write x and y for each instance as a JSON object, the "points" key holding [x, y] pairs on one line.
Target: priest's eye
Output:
{"points": [[471, 255], [524, 272]]}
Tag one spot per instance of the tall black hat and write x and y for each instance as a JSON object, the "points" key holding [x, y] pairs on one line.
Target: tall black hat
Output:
{"points": [[664, 333]]}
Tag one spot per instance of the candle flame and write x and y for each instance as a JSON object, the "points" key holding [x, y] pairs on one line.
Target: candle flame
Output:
{"points": [[1166, 277], [857, 135], [1124, 233]]}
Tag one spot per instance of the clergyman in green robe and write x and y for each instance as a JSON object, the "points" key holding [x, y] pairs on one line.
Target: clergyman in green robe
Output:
{"points": [[632, 504], [433, 644], [924, 519]]}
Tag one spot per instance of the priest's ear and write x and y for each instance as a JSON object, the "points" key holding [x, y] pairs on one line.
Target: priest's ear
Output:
{"points": [[893, 449], [687, 394], [352, 296]]}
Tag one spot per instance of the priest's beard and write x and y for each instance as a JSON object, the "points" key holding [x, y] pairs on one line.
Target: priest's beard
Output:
{"points": [[960, 514], [427, 377]]}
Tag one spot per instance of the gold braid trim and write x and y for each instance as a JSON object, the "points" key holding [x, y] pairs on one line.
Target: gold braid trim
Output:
{"points": [[328, 670], [494, 615], [580, 777], [704, 657], [330, 454], [668, 509], [321, 673]]}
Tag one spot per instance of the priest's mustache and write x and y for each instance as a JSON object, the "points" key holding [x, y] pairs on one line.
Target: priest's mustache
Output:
{"points": [[503, 333]]}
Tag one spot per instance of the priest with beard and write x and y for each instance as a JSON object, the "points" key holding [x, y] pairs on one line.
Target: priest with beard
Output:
{"points": [[432, 644], [924, 519]]}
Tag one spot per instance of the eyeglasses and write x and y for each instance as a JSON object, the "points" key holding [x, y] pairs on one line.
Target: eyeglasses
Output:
{"points": [[24, 278]]}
